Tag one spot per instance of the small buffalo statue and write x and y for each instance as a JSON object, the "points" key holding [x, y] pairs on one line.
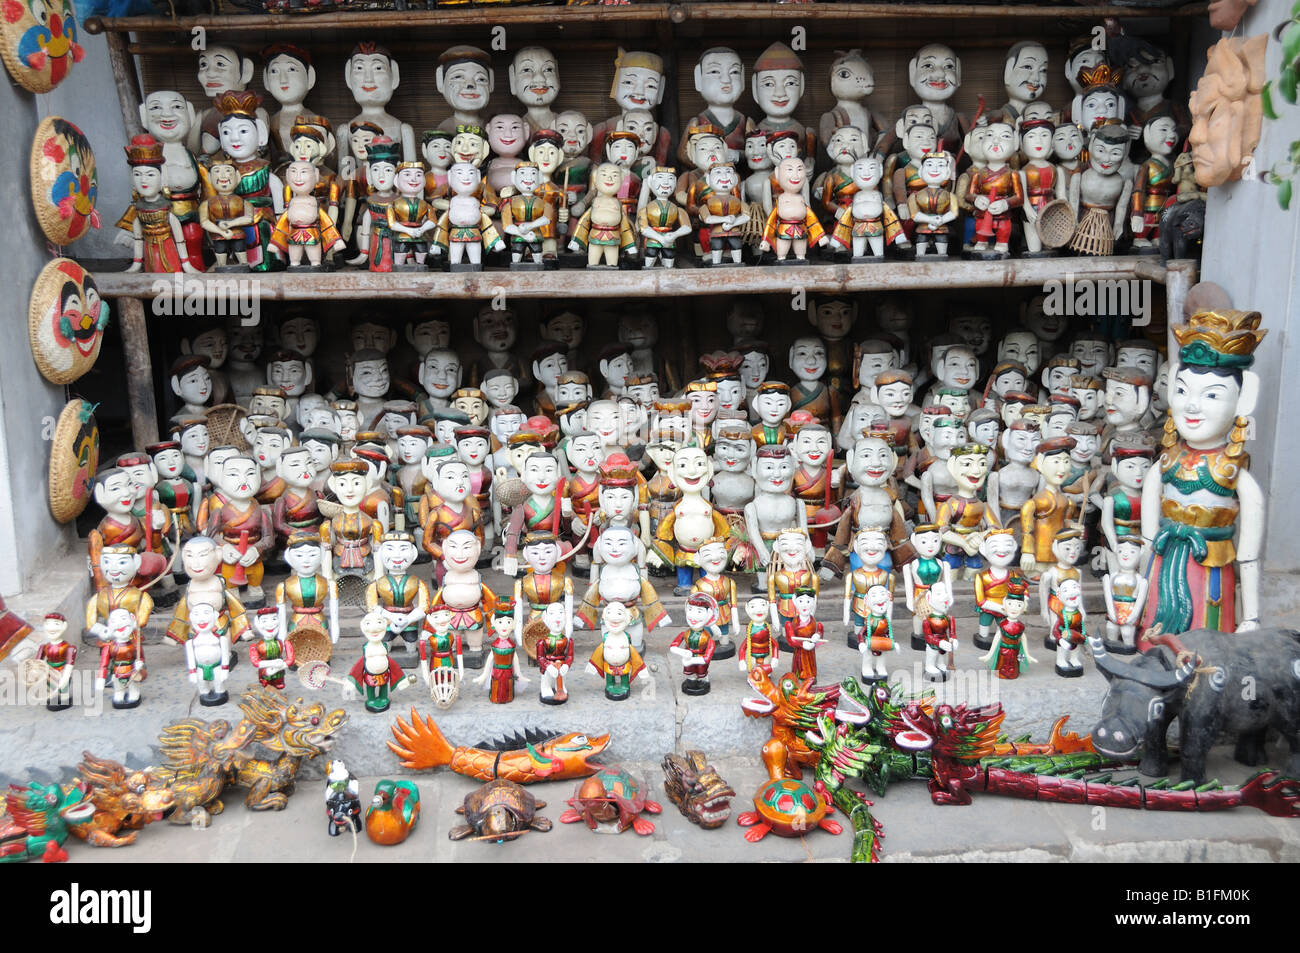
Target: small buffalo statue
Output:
{"points": [[1241, 684]]}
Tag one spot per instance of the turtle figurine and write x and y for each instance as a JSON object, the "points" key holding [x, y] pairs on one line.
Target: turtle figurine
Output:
{"points": [[499, 811], [789, 808], [611, 801]]}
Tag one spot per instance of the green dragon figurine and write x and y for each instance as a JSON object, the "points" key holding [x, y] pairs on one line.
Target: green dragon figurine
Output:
{"points": [[957, 749]]}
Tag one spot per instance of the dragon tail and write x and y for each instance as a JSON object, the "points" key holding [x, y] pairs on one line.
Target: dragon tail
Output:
{"points": [[420, 745], [867, 831]]}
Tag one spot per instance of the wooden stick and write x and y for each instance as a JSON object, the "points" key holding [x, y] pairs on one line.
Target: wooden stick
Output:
{"points": [[559, 17], [139, 371], [127, 82]]}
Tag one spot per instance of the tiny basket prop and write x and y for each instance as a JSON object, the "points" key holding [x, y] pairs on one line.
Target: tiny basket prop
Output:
{"points": [[310, 643], [751, 232], [511, 492], [534, 632], [314, 674], [223, 426], [1094, 236], [1056, 223], [352, 591], [36, 679], [444, 686]]}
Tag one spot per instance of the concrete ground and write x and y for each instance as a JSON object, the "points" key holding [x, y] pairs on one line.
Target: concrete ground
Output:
{"points": [[42, 745]]}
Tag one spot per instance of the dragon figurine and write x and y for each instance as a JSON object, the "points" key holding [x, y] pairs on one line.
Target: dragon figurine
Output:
{"points": [[697, 789], [35, 820], [957, 749], [125, 801], [533, 756], [203, 757]]}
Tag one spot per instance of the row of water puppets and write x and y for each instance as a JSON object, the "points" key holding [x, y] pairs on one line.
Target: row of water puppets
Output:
{"points": [[867, 479], [235, 185]]}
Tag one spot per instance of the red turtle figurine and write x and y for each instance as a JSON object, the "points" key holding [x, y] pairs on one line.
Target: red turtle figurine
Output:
{"points": [[789, 808], [611, 797]]}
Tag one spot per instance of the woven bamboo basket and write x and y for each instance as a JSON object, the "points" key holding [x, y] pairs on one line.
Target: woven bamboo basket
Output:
{"points": [[74, 458], [223, 426], [534, 631], [310, 643], [1094, 235], [1056, 224], [63, 180]]}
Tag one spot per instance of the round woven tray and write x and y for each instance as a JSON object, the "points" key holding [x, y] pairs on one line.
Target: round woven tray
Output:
{"points": [[533, 633], [1056, 223], [63, 350], [18, 22], [310, 643], [74, 458], [223, 426], [63, 180]]}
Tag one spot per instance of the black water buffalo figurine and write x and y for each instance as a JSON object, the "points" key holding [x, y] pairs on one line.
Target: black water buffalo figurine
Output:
{"points": [[1241, 684]]}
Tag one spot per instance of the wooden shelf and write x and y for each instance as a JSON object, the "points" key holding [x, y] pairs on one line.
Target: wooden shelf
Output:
{"points": [[489, 16], [682, 281]]}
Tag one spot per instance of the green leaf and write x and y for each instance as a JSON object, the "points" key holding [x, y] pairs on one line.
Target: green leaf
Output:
{"points": [[1295, 9], [1295, 151], [1284, 195], [1291, 42], [1286, 84], [1266, 96]]}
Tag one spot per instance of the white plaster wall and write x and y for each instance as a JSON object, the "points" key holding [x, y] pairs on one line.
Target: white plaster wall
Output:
{"points": [[30, 539], [1252, 249]]}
